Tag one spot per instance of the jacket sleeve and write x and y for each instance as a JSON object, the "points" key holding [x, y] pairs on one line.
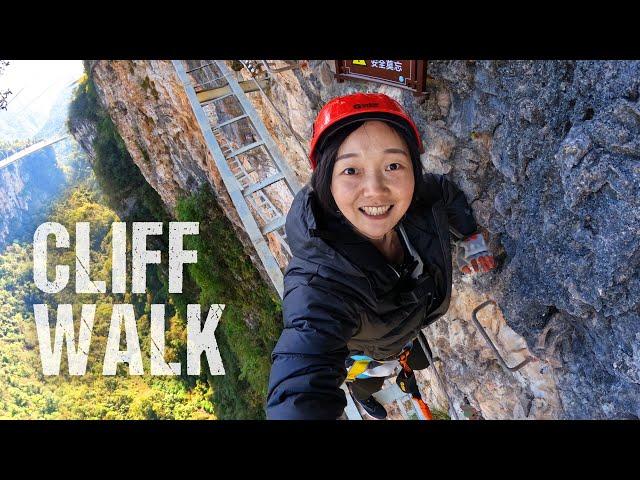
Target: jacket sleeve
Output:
{"points": [[461, 221], [309, 358]]}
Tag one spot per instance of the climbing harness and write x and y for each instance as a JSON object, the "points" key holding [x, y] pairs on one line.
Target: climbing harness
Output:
{"points": [[366, 367], [363, 366], [406, 381]]}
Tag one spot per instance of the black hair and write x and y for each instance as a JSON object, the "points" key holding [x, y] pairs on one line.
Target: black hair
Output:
{"points": [[326, 158]]}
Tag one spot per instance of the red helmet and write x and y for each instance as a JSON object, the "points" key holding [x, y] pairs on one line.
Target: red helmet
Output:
{"points": [[342, 111]]}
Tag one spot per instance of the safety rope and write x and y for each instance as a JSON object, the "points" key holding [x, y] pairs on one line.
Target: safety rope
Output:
{"points": [[425, 347]]}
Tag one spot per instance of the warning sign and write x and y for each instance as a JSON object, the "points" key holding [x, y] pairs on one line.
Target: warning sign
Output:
{"points": [[409, 74]]}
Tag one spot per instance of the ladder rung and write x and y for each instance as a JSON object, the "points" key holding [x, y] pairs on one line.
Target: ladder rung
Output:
{"points": [[261, 199], [207, 82], [266, 210], [274, 224], [201, 66], [262, 184], [224, 124], [246, 148], [216, 99]]}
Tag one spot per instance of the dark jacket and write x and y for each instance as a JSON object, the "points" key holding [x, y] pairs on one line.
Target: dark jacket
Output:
{"points": [[341, 296]]}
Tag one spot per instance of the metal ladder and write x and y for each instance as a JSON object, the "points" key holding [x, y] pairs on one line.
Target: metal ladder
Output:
{"points": [[237, 163]]}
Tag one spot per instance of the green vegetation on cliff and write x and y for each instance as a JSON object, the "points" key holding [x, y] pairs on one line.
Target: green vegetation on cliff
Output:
{"points": [[26, 393], [251, 322]]}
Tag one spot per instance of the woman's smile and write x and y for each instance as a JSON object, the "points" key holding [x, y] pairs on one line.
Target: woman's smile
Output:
{"points": [[372, 180], [376, 212]]}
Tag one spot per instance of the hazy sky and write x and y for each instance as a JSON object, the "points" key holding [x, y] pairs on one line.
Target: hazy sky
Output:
{"points": [[35, 84]]}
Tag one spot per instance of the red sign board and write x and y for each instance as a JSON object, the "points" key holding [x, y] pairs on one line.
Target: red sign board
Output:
{"points": [[409, 74]]}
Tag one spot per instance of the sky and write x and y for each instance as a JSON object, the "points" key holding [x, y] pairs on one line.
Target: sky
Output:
{"points": [[35, 84]]}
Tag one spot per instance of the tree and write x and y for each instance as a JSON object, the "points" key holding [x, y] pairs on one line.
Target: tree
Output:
{"points": [[4, 94]]}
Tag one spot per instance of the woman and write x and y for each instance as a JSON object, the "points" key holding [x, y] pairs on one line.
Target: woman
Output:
{"points": [[371, 259]]}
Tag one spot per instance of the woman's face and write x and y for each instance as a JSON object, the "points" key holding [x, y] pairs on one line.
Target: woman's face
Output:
{"points": [[372, 181]]}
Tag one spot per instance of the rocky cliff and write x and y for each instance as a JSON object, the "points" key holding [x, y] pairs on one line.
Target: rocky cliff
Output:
{"points": [[547, 153], [27, 188], [11, 203]]}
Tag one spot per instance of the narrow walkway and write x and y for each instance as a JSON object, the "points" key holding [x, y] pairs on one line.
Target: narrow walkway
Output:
{"points": [[29, 150]]}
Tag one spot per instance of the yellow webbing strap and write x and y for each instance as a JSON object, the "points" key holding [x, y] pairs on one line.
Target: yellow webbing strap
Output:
{"points": [[356, 369]]}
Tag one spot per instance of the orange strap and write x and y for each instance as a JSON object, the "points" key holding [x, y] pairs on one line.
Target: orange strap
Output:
{"points": [[424, 408], [403, 361]]}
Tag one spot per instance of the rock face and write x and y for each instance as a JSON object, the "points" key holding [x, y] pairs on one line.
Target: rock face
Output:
{"points": [[548, 155], [11, 202], [563, 201], [27, 188], [148, 105], [84, 133]]}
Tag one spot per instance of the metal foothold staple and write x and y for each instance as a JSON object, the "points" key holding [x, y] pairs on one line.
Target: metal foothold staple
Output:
{"points": [[490, 343]]}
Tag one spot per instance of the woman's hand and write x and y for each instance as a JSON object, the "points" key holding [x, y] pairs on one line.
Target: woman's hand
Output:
{"points": [[473, 255]]}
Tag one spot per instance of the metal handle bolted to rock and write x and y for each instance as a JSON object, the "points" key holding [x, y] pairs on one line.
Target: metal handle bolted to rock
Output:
{"points": [[490, 343]]}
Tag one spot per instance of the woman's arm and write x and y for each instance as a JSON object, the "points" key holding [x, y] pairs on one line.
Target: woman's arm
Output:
{"points": [[461, 221], [309, 358], [472, 252]]}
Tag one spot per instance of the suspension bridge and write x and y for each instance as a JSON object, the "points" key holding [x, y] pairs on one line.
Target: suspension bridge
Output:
{"points": [[29, 150]]}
